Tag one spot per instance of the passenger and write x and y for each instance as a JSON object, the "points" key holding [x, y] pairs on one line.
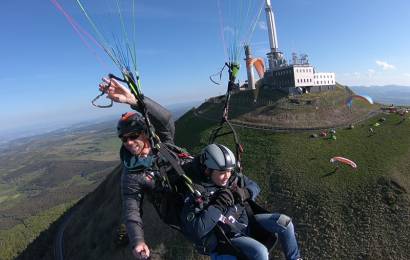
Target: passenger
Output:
{"points": [[224, 200]]}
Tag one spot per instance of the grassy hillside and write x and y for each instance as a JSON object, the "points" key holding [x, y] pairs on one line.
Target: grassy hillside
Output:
{"points": [[40, 176], [349, 214], [343, 214], [274, 109], [14, 240]]}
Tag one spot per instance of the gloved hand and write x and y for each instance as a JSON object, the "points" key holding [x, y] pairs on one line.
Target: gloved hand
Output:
{"points": [[241, 194], [223, 199]]}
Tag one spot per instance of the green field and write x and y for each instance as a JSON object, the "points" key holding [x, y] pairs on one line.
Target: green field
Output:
{"points": [[297, 179], [350, 213], [14, 240], [40, 175]]}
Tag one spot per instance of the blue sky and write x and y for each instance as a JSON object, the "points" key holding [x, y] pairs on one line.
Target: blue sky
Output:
{"points": [[48, 75]]}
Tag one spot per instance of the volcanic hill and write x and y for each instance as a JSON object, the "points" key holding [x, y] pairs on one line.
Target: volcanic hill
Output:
{"points": [[344, 214]]}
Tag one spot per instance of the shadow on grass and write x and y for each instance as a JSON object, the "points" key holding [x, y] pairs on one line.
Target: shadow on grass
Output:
{"points": [[330, 173]]}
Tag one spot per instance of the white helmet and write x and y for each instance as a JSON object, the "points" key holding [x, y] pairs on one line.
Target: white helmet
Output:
{"points": [[218, 157]]}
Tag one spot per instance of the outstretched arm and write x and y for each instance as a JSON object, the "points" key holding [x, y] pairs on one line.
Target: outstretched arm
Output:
{"points": [[160, 117]]}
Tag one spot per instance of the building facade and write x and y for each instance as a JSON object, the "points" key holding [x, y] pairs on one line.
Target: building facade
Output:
{"points": [[299, 78]]}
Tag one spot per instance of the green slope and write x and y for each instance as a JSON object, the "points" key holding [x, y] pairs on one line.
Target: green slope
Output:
{"points": [[275, 109], [349, 214]]}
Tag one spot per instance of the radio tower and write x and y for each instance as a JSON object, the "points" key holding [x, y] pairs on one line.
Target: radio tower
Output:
{"points": [[275, 57]]}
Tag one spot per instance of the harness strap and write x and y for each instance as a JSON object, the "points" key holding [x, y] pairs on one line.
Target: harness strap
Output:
{"points": [[225, 245], [163, 150]]}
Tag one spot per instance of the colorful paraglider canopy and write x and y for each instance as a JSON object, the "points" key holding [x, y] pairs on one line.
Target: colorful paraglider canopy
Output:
{"points": [[366, 98], [339, 159]]}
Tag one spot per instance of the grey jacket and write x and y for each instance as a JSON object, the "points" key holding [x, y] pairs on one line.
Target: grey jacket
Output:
{"points": [[137, 176]]}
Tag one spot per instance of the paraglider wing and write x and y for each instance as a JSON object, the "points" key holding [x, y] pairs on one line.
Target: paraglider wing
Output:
{"points": [[344, 161], [366, 98], [259, 65]]}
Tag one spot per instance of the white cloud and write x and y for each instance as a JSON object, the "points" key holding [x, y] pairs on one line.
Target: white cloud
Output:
{"points": [[262, 25], [385, 65], [407, 74], [356, 74], [370, 72]]}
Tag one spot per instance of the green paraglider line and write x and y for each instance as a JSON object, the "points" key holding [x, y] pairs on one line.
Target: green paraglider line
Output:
{"points": [[125, 35], [134, 52], [102, 39], [119, 53]]}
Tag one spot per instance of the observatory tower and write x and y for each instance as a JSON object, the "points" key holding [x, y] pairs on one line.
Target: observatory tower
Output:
{"points": [[297, 77], [275, 57]]}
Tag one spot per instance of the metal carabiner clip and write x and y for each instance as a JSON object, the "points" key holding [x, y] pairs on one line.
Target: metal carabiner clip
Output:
{"points": [[100, 95]]}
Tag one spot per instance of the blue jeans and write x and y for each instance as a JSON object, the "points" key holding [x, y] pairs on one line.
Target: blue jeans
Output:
{"points": [[274, 223]]}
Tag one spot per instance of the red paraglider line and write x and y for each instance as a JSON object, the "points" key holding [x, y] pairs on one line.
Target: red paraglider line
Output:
{"points": [[81, 32]]}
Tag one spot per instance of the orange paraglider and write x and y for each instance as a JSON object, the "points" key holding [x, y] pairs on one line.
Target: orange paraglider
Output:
{"points": [[339, 159]]}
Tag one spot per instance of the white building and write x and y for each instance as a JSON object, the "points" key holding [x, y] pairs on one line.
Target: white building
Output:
{"points": [[324, 79], [297, 78]]}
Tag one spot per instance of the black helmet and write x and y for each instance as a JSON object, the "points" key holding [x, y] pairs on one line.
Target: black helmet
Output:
{"points": [[218, 157], [131, 122]]}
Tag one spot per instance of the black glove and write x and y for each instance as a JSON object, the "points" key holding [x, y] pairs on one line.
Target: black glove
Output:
{"points": [[241, 194], [223, 199]]}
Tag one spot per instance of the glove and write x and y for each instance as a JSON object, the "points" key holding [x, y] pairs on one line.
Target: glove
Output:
{"points": [[223, 199], [241, 194]]}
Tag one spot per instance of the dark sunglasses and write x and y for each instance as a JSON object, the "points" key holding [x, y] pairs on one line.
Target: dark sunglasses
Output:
{"points": [[131, 137]]}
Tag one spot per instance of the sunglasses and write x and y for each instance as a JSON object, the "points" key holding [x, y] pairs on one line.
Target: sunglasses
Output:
{"points": [[130, 137]]}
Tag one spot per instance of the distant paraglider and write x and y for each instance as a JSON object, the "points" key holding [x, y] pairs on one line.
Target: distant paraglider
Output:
{"points": [[341, 160], [349, 101]]}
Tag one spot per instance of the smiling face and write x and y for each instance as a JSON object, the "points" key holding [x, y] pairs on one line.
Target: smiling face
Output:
{"points": [[137, 144], [220, 178]]}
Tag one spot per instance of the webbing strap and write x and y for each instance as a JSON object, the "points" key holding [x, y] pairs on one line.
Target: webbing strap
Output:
{"points": [[174, 163]]}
